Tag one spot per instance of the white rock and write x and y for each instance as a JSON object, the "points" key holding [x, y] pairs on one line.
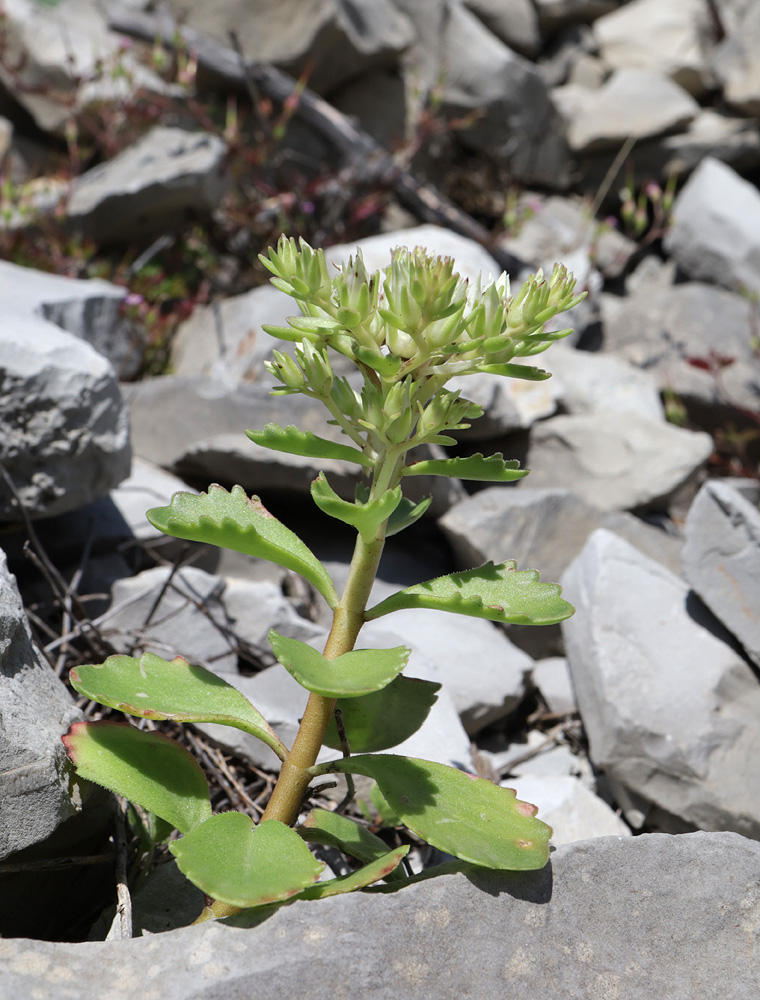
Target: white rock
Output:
{"points": [[571, 809], [590, 383], [671, 37], [633, 103]]}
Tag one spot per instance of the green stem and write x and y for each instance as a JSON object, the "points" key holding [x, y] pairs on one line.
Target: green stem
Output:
{"points": [[348, 618]]}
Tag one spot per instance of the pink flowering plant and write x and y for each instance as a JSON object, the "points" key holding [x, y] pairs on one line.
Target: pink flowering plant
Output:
{"points": [[408, 330]]}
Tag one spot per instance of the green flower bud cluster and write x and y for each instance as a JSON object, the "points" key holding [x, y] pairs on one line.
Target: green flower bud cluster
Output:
{"points": [[408, 330]]}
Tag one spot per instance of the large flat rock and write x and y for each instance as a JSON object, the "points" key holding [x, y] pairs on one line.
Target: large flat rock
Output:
{"points": [[624, 918]]}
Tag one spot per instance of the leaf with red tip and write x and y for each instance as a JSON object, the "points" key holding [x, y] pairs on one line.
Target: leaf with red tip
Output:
{"points": [[466, 816], [145, 767]]}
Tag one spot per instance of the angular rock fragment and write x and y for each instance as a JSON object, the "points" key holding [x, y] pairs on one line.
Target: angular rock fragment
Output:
{"points": [[715, 235], [664, 330], [616, 461], [166, 178], [671, 710], [64, 435], [721, 560], [632, 103], [36, 789]]}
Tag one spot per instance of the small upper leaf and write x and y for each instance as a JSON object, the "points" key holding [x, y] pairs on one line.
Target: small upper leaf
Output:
{"points": [[245, 865], [297, 442], [491, 470], [405, 514], [152, 688], [466, 816], [351, 675], [232, 521], [500, 593], [145, 767], [386, 718], [365, 517]]}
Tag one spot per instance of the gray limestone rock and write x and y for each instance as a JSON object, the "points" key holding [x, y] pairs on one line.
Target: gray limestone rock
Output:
{"points": [[716, 222], [551, 229], [195, 427], [90, 309], [632, 103], [721, 560], [629, 917], [614, 460], [64, 437], [64, 58], [516, 119], [659, 329], [508, 404], [336, 41], [162, 180], [515, 22], [552, 678], [37, 792], [225, 341], [556, 14], [671, 710], [542, 529]]}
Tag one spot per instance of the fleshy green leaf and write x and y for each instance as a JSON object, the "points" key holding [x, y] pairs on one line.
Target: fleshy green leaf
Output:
{"points": [[365, 517], [489, 470], [500, 593], [527, 372], [351, 675], [145, 767], [386, 718], [152, 688], [334, 830], [232, 521], [405, 514], [297, 442], [466, 816], [245, 865], [374, 871]]}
